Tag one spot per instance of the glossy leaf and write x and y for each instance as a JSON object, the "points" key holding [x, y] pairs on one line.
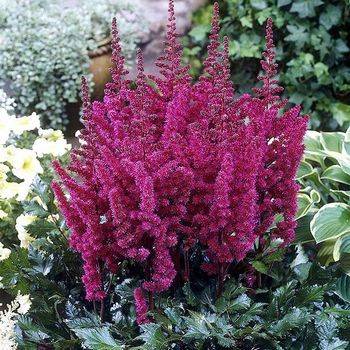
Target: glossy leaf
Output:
{"points": [[330, 222]]}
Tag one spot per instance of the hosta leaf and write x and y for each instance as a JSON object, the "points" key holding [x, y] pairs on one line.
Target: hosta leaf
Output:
{"points": [[330, 222], [325, 252], [302, 232], [304, 170], [313, 146], [342, 245], [332, 141], [343, 287], [336, 173], [304, 204]]}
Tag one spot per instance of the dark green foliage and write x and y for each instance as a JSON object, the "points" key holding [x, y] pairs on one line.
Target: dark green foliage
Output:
{"points": [[312, 39], [291, 305]]}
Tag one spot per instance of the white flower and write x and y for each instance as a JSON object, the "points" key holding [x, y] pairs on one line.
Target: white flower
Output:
{"points": [[8, 320], [7, 329], [5, 125], [4, 169], [51, 142], [10, 190], [3, 214], [24, 303], [78, 136], [31, 122], [24, 162], [21, 223], [4, 252]]}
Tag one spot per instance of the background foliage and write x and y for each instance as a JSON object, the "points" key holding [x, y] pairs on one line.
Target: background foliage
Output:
{"points": [[44, 50], [312, 49]]}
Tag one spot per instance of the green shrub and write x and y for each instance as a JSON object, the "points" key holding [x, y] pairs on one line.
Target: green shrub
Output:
{"points": [[44, 50], [312, 49]]}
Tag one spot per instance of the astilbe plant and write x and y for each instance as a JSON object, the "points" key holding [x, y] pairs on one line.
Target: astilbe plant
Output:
{"points": [[168, 163]]}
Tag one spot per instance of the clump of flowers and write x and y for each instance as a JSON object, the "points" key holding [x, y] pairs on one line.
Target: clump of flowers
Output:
{"points": [[8, 320], [170, 163], [26, 151]]}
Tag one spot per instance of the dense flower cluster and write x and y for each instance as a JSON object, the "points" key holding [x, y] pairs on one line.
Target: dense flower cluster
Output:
{"points": [[8, 319], [169, 164]]}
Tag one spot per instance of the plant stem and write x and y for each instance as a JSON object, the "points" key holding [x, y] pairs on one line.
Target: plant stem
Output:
{"points": [[187, 266], [151, 301]]}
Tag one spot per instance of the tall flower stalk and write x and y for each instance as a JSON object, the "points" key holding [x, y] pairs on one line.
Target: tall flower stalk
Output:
{"points": [[167, 163]]}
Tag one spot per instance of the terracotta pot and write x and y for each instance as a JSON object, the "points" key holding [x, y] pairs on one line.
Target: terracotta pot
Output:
{"points": [[100, 63]]}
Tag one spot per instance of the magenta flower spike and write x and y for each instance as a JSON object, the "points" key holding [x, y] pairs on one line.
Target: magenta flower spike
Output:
{"points": [[173, 163]]}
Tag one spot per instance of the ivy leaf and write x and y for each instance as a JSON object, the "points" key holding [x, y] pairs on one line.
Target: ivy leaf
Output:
{"points": [[298, 34], [200, 32], [281, 3], [330, 16], [258, 4], [305, 8], [341, 112]]}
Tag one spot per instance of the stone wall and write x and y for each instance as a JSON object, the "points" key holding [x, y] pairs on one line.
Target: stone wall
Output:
{"points": [[156, 14]]}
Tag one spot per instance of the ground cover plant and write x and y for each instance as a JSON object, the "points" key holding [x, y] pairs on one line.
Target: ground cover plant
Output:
{"points": [[312, 47], [324, 200], [177, 219]]}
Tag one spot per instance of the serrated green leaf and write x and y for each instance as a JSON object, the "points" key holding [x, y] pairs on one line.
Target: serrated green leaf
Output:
{"points": [[97, 338]]}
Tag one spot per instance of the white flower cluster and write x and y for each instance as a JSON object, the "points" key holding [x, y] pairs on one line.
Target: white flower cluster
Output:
{"points": [[21, 162], [8, 320], [19, 166]]}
